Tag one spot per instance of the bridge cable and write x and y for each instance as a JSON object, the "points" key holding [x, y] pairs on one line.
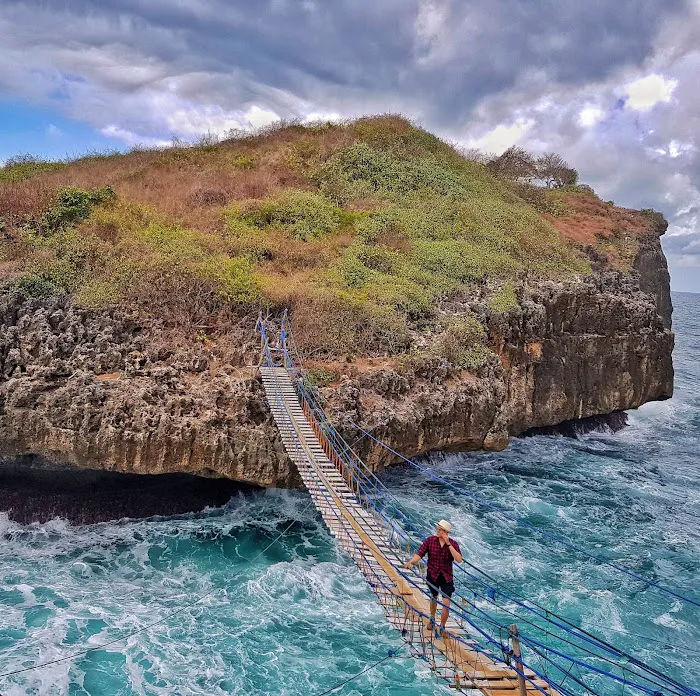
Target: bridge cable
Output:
{"points": [[518, 520], [390, 655], [578, 631], [324, 493], [491, 620]]}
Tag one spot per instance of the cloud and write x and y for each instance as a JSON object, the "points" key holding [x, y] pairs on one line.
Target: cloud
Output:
{"points": [[590, 115], [433, 60], [130, 138], [641, 154], [646, 92], [502, 136]]}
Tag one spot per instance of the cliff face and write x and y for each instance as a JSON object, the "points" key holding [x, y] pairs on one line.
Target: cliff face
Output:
{"points": [[569, 351], [95, 390]]}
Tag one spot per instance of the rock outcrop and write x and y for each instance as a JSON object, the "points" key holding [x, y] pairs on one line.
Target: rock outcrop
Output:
{"points": [[105, 391], [568, 351]]}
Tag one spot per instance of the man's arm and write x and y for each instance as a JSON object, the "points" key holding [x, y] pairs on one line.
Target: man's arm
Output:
{"points": [[454, 550], [418, 554], [414, 559]]}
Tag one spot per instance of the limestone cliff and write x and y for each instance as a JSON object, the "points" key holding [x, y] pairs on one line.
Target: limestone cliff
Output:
{"points": [[105, 390]]}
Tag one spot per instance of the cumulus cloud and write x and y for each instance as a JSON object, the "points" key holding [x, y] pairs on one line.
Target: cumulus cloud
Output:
{"points": [[503, 136], [632, 135], [610, 85], [590, 115], [646, 92]]}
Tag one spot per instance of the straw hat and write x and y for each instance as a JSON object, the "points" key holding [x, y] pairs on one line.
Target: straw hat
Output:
{"points": [[444, 524]]}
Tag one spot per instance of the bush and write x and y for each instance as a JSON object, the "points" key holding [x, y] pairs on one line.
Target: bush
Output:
{"points": [[658, 221], [475, 357], [99, 293], [582, 189], [362, 171], [73, 205], [233, 278], [243, 162], [302, 215], [504, 299], [332, 323], [462, 343], [35, 286], [22, 167], [319, 377]]}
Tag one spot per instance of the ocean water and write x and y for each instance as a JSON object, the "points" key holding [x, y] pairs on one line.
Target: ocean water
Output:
{"points": [[298, 619]]}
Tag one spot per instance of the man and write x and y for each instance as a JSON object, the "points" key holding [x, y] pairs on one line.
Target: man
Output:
{"points": [[442, 552]]}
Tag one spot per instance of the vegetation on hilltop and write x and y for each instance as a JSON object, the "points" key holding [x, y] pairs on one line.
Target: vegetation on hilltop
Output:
{"points": [[361, 228]]}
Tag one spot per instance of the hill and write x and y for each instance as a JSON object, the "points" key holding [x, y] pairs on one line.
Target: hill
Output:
{"points": [[410, 271]]}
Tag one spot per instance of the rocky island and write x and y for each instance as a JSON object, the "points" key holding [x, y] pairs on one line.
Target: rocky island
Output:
{"points": [[444, 300]]}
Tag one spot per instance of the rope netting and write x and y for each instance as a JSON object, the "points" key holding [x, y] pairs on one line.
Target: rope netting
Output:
{"points": [[555, 651]]}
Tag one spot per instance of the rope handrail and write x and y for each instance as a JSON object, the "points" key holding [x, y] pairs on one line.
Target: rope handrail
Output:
{"points": [[548, 616], [514, 518], [369, 488], [484, 634], [406, 577]]}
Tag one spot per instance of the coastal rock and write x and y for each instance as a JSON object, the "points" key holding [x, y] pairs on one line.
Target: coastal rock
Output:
{"points": [[105, 391]]}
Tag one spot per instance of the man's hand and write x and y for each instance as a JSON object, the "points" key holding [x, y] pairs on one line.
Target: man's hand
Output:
{"points": [[409, 564]]}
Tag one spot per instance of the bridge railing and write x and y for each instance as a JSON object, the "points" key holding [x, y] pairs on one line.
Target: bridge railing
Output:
{"points": [[403, 536]]}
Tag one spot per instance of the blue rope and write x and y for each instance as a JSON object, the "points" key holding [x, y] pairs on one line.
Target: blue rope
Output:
{"points": [[370, 487], [520, 521], [411, 581], [491, 592]]}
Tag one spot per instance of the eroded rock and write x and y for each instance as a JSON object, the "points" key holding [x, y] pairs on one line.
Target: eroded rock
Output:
{"points": [[103, 391]]}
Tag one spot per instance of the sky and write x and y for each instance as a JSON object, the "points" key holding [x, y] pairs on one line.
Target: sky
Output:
{"points": [[610, 85]]}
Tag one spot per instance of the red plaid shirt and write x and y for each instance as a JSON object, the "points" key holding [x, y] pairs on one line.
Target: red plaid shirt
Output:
{"points": [[439, 557]]}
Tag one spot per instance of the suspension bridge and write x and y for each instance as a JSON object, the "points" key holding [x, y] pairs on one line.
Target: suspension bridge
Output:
{"points": [[478, 651]]}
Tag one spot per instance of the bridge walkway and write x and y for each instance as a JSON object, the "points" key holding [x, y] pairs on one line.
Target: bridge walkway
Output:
{"points": [[404, 597]]}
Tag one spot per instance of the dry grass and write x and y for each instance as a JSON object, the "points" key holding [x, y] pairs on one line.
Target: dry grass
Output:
{"points": [[594, 220], [394, 219]]}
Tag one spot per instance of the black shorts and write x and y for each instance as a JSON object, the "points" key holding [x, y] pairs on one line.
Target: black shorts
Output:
{"points": [[439, 584]]}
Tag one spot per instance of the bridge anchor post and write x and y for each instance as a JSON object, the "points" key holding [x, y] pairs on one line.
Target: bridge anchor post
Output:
{"points": [[517, 654]]}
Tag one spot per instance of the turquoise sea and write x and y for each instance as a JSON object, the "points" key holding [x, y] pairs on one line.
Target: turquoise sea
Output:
{"points": [[300, 619]]}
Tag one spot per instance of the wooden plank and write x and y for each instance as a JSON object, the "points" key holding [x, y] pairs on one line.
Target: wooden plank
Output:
{"points": [[353, 524]]}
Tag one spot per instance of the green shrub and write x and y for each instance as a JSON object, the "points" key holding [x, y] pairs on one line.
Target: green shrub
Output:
{"points": [[233, 278], [362, 171], [243, 162], [47, 277], [461, 261], [475, 357], [319, 377], [34, 285], [98, 293], [657, 219], [400, 293], [462, 343], [302, 215], [24, 167], [582, 189], [73, 205], [504, 299], [352, 273]]}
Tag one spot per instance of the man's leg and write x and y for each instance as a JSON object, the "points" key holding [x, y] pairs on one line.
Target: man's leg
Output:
{"points": [[447, 588], [432, 586], [445, 611]]}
